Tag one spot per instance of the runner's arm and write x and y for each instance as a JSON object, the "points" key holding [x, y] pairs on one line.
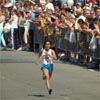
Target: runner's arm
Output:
{"points": [[53, 55], [38, 58]]}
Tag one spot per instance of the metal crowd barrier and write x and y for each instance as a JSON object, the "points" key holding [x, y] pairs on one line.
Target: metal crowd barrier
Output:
{"points": [[38, 37], [63, 43]]}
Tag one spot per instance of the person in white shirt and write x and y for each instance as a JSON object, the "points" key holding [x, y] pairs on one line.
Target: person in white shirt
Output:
{"points": [[47, 55], [70, 3], [49, 5], [14, 29]]}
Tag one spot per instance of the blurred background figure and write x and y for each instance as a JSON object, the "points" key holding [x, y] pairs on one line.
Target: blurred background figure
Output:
{"points": [[2, 40]]}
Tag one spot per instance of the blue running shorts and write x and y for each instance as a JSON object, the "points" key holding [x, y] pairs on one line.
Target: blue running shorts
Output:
{"points": [[49, 67]]}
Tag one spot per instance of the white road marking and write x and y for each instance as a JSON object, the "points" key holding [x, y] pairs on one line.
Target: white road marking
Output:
{"points": [[91, 70], [66, 98]]}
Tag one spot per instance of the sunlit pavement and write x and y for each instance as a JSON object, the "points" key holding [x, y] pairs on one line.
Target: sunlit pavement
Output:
{"points": [[21, 79]]}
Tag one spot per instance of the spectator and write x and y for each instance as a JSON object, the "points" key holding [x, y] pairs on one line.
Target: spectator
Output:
{"points": [[66, 7], [98, 12], [7, 14], [88, 16], [79, 14], [90, 3], [7, 34], [14, 29], [70, 3], [96, 30], [82, 2], [19, 6], [63, 1], [31, 30], [21, 21], [96, 2], [57, 9], [26, 27], [49, 5], [77, 7], [93, 14], [57, 3], [2, 20]]}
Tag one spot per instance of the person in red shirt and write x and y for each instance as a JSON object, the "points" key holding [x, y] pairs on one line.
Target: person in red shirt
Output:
{"points": [[0, 2], [89, 1], [98, 2]]}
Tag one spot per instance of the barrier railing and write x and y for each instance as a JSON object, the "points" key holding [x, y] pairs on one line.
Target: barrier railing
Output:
{"points": [[66, 42]]}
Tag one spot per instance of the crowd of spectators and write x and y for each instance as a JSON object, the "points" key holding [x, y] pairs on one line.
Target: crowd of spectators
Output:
{"points": [[18, 23]]}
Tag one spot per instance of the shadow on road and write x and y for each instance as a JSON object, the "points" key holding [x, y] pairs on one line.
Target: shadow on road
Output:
{"points": [[15, 61], [38, 95]]}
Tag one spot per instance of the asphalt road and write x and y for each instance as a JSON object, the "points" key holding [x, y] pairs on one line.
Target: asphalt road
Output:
{"points": [[21, 79]]}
